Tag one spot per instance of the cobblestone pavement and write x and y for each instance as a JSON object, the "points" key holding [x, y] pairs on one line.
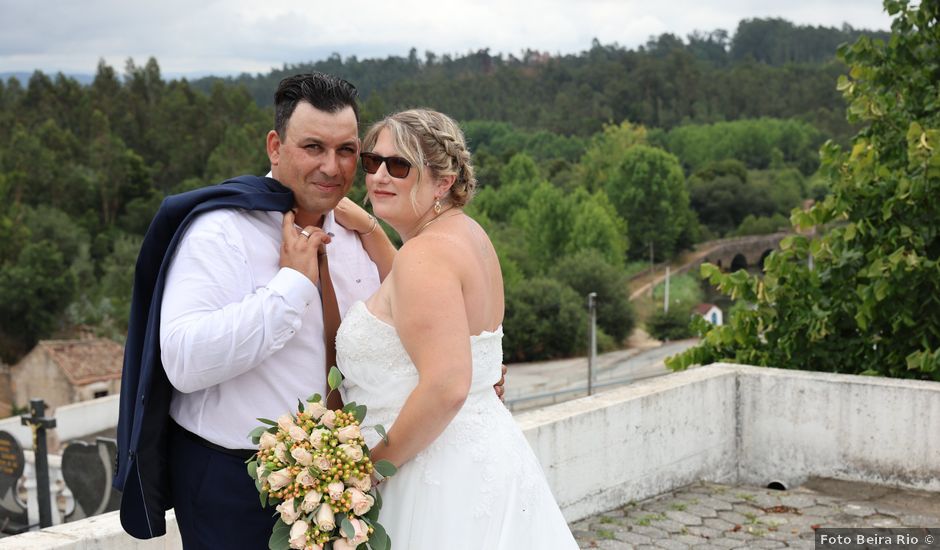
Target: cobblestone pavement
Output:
{"points": [[713, 516]]}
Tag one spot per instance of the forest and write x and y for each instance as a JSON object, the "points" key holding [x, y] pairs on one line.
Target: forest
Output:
{"points": [[586, 163]]}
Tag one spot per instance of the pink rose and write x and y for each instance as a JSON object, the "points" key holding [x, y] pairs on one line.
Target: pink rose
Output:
{"points": [[298, 535], [326, 521], [302, 456], [361, 502], [347, 433], [305, 479], [311, 501], [261, 471], [354, 452], [285, 422], [279, 479], [318, 438], [336, 489], [268, 440], [315, 410], [288, 513], [328, 419], [297, 433], [322, 463]]}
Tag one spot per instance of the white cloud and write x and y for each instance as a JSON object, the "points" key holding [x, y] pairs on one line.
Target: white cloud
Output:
{"points": [[240, 35]]}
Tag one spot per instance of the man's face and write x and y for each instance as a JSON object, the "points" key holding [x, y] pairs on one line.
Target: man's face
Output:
{"points": [[316, 159]]}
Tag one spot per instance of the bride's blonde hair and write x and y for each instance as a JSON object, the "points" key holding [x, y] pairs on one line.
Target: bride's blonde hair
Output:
{"points": [[426, 137]]}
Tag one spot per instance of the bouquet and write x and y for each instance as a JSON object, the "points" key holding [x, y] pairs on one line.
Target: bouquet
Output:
{"points": [[316, 467]]}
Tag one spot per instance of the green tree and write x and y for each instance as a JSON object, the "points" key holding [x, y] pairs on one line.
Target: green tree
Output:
{"points": [[647, 188], [545, 319], [870, 301]]}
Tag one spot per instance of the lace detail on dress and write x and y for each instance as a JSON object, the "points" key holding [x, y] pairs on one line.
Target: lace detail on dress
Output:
{"points": [[480, 468]]}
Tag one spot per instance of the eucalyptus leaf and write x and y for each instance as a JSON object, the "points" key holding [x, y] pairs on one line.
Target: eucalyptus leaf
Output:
{"points": [[315, 398], [335, 378], [379, 538], [267, 421], [253, 469], [360, 412], [280, 536], [380, 429], [346, 527], [385, 468]]}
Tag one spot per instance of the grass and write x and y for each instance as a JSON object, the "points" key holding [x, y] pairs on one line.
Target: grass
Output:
{"points": [[605, 534], [678, 507], [649, 518], [606, 519]]}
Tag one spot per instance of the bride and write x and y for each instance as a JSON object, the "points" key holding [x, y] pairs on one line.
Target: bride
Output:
{"points": [[425, 350]]}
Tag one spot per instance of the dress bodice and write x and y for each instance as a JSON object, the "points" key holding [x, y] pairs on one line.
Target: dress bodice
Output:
{"points": [[379, 372]]}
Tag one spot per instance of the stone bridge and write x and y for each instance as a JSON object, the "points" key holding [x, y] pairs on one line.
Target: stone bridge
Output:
{"points": [[740, 252]]}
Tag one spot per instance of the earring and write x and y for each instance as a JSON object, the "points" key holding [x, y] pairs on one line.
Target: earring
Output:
{"points": [[437, 206]]}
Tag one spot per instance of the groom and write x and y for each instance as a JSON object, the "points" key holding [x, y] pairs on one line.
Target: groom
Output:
{"points": [[227, 322]]}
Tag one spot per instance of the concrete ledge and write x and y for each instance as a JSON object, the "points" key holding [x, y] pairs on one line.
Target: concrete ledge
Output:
{"points": [[722, 423]]}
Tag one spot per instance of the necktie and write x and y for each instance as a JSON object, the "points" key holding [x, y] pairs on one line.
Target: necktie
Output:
{"points": [[330, 323]]}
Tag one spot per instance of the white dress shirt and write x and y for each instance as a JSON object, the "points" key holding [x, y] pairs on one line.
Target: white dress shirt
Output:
{"points": [[240, 337]]}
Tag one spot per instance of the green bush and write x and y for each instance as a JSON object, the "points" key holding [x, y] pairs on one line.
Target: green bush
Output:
{"points": [[587, 272], [674, 325], [545, 319]]}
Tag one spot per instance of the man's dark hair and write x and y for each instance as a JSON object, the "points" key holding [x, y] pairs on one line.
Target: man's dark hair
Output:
{"points": [[324, 91]]}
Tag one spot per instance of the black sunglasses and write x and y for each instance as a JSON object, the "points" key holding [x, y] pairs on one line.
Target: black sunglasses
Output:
{"points": [[397, 167]]}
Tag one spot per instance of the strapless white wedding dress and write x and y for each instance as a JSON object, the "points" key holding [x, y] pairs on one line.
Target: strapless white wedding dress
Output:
{"points": [[478, 486]]}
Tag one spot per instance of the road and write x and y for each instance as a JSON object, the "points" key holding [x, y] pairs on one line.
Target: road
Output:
{"points": [[530, 385]]}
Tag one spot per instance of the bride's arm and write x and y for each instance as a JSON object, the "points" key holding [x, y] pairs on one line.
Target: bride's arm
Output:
{"points": [[429, 314], [374, 240]]}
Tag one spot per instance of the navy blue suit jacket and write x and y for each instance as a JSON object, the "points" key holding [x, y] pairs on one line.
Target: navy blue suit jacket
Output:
{"points": [[142, 474]]}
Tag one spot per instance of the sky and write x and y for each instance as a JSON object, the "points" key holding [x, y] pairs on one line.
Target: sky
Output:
{"points": [[194, 37]]}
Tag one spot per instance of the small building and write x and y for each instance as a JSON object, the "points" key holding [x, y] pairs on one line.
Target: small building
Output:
{"points": [[66, 371], [710, 312]]}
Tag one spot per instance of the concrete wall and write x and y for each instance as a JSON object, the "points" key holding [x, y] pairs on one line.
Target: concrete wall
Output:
{"points": [[72, 421], [796, 424], [637, 441], [727, 423]]}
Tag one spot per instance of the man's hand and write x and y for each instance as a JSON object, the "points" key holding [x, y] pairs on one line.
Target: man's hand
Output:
{"points": [[499, 386], [299, 247]]}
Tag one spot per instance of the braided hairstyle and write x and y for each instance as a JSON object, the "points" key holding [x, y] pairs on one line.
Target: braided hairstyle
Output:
{"points": [[431, 138]]}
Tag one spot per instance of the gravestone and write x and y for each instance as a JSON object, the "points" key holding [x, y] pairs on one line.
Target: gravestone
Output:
{"points": [[88, 471], [13, 516]]}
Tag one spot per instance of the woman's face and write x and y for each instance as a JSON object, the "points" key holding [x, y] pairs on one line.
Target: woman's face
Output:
{"points": [[391, 196]]}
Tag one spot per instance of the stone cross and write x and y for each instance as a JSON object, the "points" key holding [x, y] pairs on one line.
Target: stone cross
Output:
{"points": [[39, 423]]}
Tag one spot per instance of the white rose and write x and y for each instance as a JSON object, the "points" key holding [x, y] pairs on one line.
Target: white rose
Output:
{"points": [[280, 451], [285, 421], [361, 503], [328, 419], [311, 501], [305, 479], [288, 513], [302, 456], [268, 440], [362, 532], [322, 463], [325, 519], [336, 489], [279, 479], [354, 452], [297, 433], [347, 433], [343, 544], [315, 410], [361, 483], [298, 535], [318, 438]]}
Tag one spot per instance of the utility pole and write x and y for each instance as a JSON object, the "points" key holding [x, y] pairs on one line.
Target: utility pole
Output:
{"points": [[592, 345], [666, 295], [39, 424]]}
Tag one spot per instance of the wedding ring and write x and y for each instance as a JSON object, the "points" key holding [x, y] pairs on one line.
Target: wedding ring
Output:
{"points": [[305, 233]]}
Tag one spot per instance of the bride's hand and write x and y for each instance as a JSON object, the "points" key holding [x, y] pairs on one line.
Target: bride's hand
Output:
{"points": [[499, 386], [352, 216]]}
